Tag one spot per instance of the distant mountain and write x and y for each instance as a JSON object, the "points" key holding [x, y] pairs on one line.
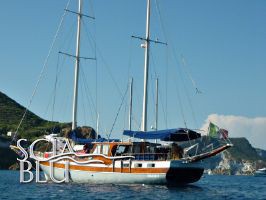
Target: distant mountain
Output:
{"points": [[33, 126], [242, 158], [243, 150]]}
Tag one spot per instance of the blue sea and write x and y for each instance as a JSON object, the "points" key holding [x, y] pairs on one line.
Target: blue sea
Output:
{"points": [[209, 187]]}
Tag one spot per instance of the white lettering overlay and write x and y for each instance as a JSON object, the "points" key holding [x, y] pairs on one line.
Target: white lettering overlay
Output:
{"points": [[45, 161]]}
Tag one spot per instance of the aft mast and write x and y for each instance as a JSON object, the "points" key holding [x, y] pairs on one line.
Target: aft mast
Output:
{"points": [[156, 105], [130, 104], [75, 97], [146, 69]]}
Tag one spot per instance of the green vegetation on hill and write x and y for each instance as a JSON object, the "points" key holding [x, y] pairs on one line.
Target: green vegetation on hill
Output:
{"points": [[33, 126], [242, 150]]}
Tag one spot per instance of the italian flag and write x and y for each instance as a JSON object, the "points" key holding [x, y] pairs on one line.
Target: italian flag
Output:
{"points": [[216, 132]]}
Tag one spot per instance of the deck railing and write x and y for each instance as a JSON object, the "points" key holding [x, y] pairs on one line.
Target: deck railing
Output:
{"points": [[149, 156]]}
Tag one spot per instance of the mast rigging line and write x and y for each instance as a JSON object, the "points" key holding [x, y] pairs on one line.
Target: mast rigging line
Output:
{"points": [[53, 93], [198, 91], [134, 118], [164, 107], [89, 35], [57, 81], [93, 45], [189, 99], [118, 112], [181, 105], [42, 70], [91, 42], [183, 63], [55, 86], [153, 68], [92, 38], [87, 94], [83, 105]]}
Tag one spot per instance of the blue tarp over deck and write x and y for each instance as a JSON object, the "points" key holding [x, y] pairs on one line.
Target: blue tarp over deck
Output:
{"points": [[179, 134], [86, 141]]}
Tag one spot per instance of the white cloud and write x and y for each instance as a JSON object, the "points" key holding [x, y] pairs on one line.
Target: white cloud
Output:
{"points": [[254, 129]]}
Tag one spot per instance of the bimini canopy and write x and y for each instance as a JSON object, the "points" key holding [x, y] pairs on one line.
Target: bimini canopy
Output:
{"points": [[178, 135], [85, 141]]}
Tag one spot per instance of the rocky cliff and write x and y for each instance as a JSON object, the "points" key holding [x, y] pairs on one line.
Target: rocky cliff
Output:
{"points": [[242, 158]]}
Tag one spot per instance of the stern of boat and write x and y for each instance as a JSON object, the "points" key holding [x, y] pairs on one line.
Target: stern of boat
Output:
{"points": [[181, 173]]}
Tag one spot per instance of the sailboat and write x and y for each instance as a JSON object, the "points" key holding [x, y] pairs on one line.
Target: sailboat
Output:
{"points": [[127, 162]]}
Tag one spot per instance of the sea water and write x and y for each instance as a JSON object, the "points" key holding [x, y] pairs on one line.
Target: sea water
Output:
{"points": [[209, 187]]}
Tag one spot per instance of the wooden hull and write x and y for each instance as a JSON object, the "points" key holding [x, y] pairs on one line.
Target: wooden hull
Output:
{"points": [[156, 172]]}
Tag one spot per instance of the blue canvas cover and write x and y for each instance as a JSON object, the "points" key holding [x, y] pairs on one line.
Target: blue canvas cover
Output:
{"points": [[179, 134], [86, 141]]}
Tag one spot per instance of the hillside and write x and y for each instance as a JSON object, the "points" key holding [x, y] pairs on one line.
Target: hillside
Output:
{"points": [[243, 150], [33, 126], [242, 158]]}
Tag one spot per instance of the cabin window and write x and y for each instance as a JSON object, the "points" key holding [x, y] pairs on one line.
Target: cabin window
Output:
{"points": [[125, 164], [138, 165], [97, 150], [136, 149], [149, 165], [120, 150], [105, 149]]}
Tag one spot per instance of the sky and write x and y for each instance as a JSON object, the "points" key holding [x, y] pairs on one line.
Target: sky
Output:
{"points": [[216, 46]]}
